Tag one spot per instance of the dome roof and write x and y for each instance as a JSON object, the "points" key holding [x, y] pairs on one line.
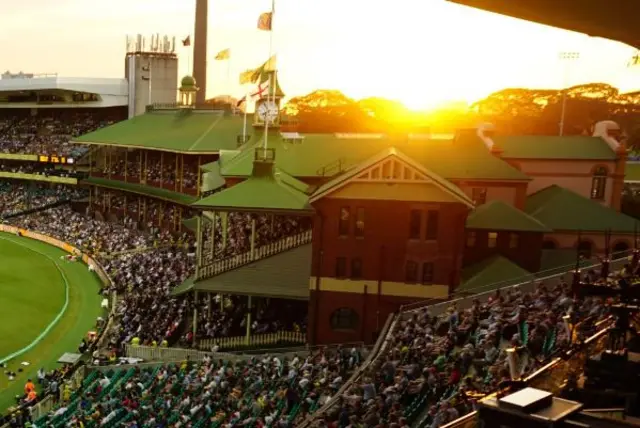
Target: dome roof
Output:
{"points": [[188, 82]]}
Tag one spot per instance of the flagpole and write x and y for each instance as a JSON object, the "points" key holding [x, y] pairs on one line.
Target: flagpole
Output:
{"points": [[271, 82], [244, 123], [229, 75]]}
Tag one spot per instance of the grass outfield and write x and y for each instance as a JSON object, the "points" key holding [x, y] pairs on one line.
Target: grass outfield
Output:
{"points": [[32, 293]]}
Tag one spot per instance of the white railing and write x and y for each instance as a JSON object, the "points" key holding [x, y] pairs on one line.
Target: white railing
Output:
{"points": [[154, 353], [230, 263], [254, 340]]}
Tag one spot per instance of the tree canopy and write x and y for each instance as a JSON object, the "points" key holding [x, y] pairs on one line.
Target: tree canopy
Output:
{"points": [[516, 111]]}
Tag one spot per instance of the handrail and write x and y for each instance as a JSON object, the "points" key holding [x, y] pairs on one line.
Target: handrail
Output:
{"points": [[382, 339], [270, 249], [528, 279]]}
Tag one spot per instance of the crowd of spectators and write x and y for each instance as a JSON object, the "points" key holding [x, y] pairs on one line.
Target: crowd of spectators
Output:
{"points": [[227, 316], [263, 391], [144, 268], [437, 364], [50, 382], [16, 197], [268, 228], [168, 172], [50, 131]]}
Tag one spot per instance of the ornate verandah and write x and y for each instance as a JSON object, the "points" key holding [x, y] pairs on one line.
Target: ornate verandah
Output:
{"points": [[276, 268]]}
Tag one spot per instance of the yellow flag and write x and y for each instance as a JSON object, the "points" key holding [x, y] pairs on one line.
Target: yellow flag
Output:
{"points": [[223, 54], [253, 75], [246, 76]]}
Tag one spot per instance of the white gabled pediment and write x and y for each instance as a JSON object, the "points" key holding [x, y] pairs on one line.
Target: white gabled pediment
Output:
{"points": [[391, 167], [392, 170]]}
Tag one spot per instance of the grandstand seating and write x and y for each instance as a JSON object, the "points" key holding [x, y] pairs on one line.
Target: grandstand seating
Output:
{"points": [[267, 391], [51, 130], [17, 197]]}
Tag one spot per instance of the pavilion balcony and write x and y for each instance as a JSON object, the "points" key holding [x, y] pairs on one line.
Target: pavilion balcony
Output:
{"points": [[268, 250]]}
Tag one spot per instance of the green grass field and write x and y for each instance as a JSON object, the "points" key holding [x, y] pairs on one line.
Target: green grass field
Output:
{"points": [[32, 293]]}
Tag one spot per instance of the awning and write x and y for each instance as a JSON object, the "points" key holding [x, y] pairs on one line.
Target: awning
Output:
{"points": [[285, 275]]}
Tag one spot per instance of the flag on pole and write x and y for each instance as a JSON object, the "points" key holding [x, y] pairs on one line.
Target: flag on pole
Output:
{"points": [[223, 55], [246, 76], [261, 91], [253, 75], [186, 42], [264, 21]]}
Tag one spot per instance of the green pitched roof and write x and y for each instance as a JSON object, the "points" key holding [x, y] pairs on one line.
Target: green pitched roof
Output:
{"points": [[561, 209], [491, 274], [261, 192], [464, 157], [185, 131], [283, 275], [498, 215], [445, 185], [153, 192], [554, 147], [191, 223], [632, 172]]}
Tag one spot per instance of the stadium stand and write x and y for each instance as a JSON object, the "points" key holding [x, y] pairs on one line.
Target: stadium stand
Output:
{"points": [[17, 197], [51, 130], [429, 360], [432, 361], [267, 391], [145, 267]]}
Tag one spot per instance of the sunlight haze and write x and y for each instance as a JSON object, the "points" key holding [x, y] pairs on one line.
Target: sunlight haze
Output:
{"points": [[423, 53]]}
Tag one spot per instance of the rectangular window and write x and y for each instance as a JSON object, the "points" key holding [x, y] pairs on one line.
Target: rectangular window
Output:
{"points": [[427, 273], [514, 240], [359, 229], [432, 225], [341, 267], [492, 240], [471, 239], [343, 225], [479, 195], [415, 223], [356, 268], [412, 271]]}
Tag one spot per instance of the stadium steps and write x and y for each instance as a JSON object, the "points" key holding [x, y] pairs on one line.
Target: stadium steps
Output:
{"points": [[263, 252]]}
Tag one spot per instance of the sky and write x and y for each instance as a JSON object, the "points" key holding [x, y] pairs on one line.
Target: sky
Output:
{"points": [[424, 53]]}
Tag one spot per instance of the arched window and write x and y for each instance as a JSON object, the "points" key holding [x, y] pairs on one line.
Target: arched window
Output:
{"points": [[548, 244], [585, 248], [599, 183], [620, 248], [344, 319]]}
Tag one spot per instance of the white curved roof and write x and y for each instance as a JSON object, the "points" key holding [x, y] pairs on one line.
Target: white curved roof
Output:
{"points": [[112, 91]]}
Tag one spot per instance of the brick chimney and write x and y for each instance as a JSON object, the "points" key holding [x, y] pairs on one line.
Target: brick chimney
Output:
{"points": [[200, 49]]}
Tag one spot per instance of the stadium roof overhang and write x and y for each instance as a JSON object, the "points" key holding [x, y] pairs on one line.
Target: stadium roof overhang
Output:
{"points": [[111, 92], [610, 19]]}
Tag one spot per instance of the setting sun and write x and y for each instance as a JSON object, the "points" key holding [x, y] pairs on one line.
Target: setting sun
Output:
{"points": [[421, 53]]}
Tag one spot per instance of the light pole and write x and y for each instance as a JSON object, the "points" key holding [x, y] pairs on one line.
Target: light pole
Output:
{"points": [[566, 57]]}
